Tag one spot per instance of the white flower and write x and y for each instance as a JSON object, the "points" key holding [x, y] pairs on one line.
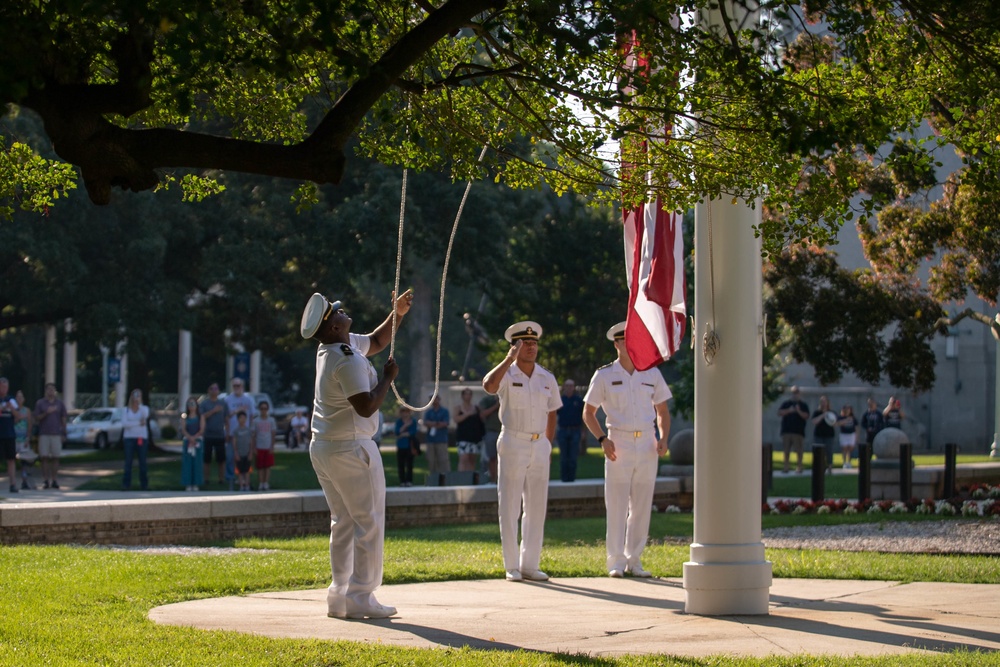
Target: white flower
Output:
{"points": [[875, 509], [898, 508], [944, 508], [823, 509], [924, 508], [850, 509], [979, 493], [799, 509], [672, 509], [971, 508]]}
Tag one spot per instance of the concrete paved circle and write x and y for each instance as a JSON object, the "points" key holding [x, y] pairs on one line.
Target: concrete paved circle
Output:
{"points": [[607, 617]]}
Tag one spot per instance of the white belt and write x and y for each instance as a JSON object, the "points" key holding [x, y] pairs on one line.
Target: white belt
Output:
{"points": [[526, 436], [633, 434]]}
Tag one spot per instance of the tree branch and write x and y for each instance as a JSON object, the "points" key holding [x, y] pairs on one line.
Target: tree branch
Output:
{"points": [[992, 322]]}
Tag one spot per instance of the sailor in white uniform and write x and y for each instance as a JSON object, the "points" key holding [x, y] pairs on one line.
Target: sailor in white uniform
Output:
{"points": [[529, 398], [344, 454], [633, 401]]}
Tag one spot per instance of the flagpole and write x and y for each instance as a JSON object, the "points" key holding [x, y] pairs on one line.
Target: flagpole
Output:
{"points": [[727, 572]]}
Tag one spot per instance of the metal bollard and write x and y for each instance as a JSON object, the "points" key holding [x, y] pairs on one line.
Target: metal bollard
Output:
{"points": [[818, 473], [864, 472], [950, 467], [905, 471], [766, 471]]}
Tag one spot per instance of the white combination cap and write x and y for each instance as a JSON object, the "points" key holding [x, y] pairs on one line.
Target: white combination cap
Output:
{"points": [[526, 330], [617, 332], [317, 309]]}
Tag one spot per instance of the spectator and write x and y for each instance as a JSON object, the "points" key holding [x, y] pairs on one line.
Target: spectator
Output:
{"points": [[489, 411], [22, 437], [237, 401], [872, 421], [50, 415], [135, 426], [264, 430], [893, 413], [216, 414], [469, 433], [8, 444], [436, 422], [241, 440], [848, 425], [793, 413], [823, 433], [569, 430], [406, 440], [299, 432], [192, 446]]}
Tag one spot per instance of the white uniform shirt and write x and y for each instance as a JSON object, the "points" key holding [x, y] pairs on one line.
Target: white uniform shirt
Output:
{"points": [[525, 402], [627, 400], [343, 370]]}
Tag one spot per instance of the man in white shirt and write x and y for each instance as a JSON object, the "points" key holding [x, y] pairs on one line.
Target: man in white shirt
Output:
{"points": [[529, 399], [632, 402], [343, 453]]}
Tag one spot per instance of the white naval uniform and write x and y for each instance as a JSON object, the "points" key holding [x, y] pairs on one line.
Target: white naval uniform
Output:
{"points": [[523, 451], [628, 401], [349, 468]]}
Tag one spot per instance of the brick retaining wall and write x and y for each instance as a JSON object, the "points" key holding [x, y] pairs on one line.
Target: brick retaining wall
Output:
{"points": [[187, 520]]}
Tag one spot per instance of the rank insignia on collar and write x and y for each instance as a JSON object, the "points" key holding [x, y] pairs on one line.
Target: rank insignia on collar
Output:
{"points": [[346, 349]]}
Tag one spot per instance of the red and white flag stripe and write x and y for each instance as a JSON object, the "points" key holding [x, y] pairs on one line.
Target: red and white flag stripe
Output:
{"points": [[654, 264], [654, 267]]}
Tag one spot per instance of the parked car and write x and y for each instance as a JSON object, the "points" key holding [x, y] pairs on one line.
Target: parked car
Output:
{"points": [[102, 428]]}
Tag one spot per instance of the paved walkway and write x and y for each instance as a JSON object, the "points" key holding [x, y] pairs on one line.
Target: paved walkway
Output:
{"points": [[607, 617]]}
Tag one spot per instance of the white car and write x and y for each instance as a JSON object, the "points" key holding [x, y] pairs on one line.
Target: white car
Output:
{"points": [[101, 428]]}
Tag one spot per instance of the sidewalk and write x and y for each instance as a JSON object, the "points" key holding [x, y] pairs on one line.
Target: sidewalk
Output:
{"points": [[609, 617]]}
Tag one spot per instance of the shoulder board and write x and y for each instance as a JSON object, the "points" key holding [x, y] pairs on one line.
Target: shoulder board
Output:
{"points": [[606, 366], [346, 349]]}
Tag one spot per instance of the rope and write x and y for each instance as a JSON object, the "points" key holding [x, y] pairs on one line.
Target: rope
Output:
{"points": [[711, 342], [444, 275]]}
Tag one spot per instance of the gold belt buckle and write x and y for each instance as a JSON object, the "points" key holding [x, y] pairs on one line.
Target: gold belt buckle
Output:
{"points": [[535, 436], [636, 434]]}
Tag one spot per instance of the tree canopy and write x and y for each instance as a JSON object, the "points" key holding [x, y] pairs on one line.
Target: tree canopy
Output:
{"points": [[775, 103]]}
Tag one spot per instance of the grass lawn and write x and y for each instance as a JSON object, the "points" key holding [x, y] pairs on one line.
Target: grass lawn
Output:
{"points": [[74, 605]]}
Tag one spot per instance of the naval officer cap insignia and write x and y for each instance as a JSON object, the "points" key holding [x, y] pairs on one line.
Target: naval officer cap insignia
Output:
{"points": [[523, 331], [617, 332], [317, 309]]}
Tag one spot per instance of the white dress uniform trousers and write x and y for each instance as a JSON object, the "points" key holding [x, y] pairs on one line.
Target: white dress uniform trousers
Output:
{"points": [[354, 485], [523, 470]]}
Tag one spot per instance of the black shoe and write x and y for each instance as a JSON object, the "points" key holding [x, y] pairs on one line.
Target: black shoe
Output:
{"points": [[13, 488], [55, 484], [24, 484], [46, 484]]}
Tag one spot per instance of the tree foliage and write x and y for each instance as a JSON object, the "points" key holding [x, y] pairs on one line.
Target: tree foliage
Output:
{"points": [[852, 321], [130, 91]]}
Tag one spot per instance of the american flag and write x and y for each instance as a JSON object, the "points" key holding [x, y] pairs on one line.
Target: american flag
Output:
{"points": [[654, 267]]}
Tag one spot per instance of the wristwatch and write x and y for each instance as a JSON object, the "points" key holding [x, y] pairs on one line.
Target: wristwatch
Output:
{"points": [[601, 440]]}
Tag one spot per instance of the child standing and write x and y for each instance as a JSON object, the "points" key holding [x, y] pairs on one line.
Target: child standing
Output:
{"points": [[192, 434], [406, 431], [264, 428], [242, 438]]}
